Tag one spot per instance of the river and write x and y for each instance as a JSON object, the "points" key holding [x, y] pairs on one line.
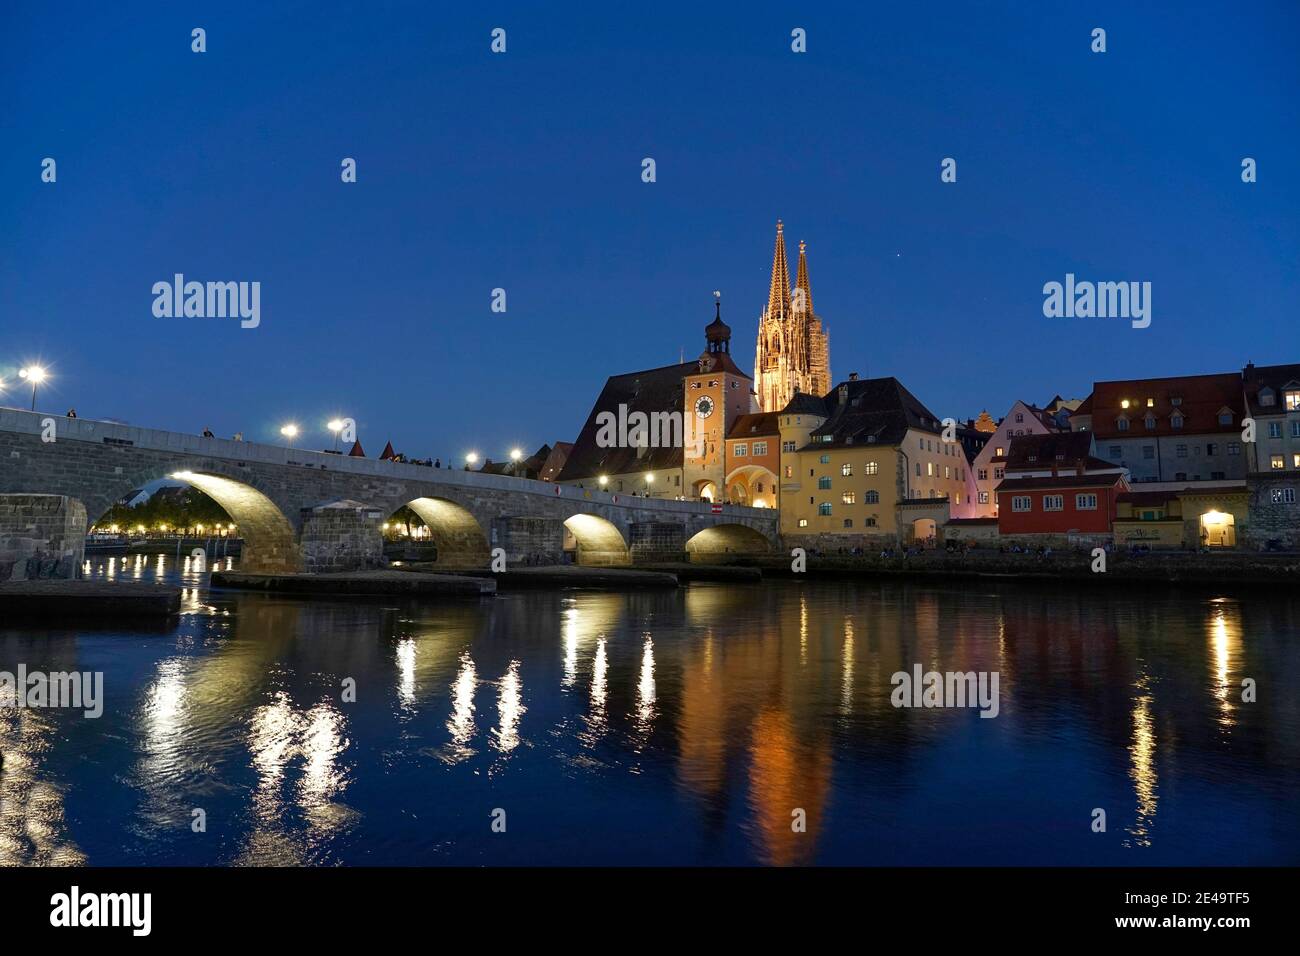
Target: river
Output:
{"points": [[717, 724]]}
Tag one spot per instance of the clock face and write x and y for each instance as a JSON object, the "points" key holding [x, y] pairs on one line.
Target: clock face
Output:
{"points": [[704, 406]]}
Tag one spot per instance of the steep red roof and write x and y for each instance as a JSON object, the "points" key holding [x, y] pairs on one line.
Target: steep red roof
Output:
{"points": [[388, 454], [1199, 399], [357, 451]]}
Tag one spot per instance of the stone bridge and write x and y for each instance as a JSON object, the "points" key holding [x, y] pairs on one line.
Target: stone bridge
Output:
{"points": [[300, 510]]}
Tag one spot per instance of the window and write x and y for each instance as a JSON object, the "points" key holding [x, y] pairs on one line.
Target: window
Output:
{"points": [[823, 483], [1295, 428], [1121, 424], [1295, 460], [846, 470], [803, 522], [849, 497], [1225, 418], [870, 468], [998, 452], [1151, 403], [1180, 451], [1211, 449], [1266, 397], [789, 471], [921, 442], [1277, 462], [1291, 400], [825, 459], [1234, 448], [740, 450], [848, 522], [1175, 401], [1283, 496], [824, 508], [999, 472], [1053, 502], [1151, 423], [1148, 451], [869, 522], [1180, 476], [1217, 476], [1176, 421], [1033, 458], [947, 471], [787, 446], [984, 497], [1116, 451], [1085, 502], [982, 474], [1020, 417], [1022, 503], [918, 469], [929, 469], [760, 448], [1274, 429], [872, 497]]}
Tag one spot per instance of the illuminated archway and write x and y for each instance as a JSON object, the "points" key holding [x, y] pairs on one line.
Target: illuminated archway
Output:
{"points": [[705, 489], [454, 532], [752, 485], [269, 545], [726, 539], [1218, 529], [923, 529], [599, 542]]}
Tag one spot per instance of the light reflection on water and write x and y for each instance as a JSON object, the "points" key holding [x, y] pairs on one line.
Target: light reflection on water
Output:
{"points": [[709, 725]]}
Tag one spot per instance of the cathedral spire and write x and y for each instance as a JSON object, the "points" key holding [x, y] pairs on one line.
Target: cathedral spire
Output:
{"points": [[805, 303], [778, 296]]}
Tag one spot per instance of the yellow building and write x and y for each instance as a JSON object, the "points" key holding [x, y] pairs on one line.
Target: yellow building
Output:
{"points": [[866, 466], [1187, 517]]}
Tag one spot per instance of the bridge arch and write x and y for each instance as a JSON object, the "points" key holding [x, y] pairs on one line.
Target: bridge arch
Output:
{"points": [[597, 541], [724, 539], [269, 538], [454, 532]]}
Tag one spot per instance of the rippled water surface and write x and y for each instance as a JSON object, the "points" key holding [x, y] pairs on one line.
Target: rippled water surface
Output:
{"points": [[695, 726]]}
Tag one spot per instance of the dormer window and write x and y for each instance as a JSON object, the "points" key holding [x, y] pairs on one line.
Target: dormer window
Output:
{"points": [[1033, 458], [1121, 424], [1291, 399], [1225, 416], [1151, 423], [1176, 421], [1151, 403], [1175, 401]]}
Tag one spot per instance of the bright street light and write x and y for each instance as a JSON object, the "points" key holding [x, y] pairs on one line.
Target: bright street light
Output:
{"points": [[290, 432], [336, 425], [470, 460], [34, 374]]}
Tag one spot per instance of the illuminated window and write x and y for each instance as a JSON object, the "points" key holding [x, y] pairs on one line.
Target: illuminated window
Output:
{"points": [[849, 497], [1151, 403], [803, 522], [1277, 462], [984, 497], [846, 470], [1124, 403], [871, 468], [1292, 401]]}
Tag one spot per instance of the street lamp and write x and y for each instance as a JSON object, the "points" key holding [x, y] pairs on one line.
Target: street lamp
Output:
{"points": [[603, 481], [290, 432], [515, 457], [34, 374], [649, 482], [471, 460], [335, 425]]}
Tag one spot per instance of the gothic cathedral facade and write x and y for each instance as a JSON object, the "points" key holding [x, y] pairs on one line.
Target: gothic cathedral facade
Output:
{"points": [[793, 347]]}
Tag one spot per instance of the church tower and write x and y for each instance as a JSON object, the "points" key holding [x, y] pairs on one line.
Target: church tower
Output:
{"points": [[793, 348]]}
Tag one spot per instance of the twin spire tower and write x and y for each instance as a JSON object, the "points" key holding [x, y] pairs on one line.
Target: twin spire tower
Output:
{"points": [[793, 348]]}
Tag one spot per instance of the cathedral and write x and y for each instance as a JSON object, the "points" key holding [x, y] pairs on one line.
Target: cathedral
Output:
{"points": [[793, 348]]}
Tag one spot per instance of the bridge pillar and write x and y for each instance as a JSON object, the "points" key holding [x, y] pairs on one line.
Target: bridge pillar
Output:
{"points": [[657, 541], [41, 536], [341, 536], [529, 541]]}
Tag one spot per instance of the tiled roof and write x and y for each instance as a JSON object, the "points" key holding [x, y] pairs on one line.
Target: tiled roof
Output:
{"points": [[872, 410], [1029, 452], [804, 404], [1276, 377], [652, 390], [750, 426], [1201, 398], [1062, 481]]}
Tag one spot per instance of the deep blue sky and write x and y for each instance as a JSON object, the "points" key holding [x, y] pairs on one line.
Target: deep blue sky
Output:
{"points": [[523, 171]]}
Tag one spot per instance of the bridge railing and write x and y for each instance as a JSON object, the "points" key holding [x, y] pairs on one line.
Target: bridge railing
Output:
{"points": [[98, 432]]}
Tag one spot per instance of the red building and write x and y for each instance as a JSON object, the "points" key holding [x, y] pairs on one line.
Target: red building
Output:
{"points": [[1059, 504]]}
